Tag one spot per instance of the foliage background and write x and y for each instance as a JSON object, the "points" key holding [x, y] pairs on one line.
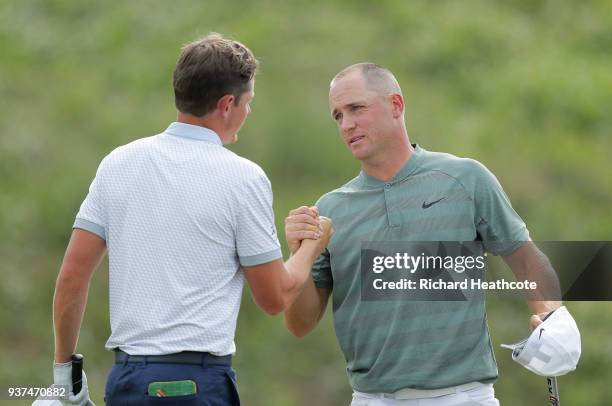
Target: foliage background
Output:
{"points": [[522, 86]]}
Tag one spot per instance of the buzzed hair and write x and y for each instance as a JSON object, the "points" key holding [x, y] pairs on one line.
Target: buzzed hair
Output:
{"points": [[378, 78]]}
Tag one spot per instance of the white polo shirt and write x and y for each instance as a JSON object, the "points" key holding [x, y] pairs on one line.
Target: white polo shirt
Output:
{"points": [[180, 214]]}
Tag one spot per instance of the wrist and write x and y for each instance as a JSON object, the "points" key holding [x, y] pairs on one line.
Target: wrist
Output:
{"points": [[293, 247], [62, 358], [546, 307], [309, 248]]}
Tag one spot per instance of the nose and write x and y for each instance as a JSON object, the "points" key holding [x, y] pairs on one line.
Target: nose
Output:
{"points": [[346, 124]]}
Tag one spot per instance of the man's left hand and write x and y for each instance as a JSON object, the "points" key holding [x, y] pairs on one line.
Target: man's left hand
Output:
{"points": [[62, 376]]}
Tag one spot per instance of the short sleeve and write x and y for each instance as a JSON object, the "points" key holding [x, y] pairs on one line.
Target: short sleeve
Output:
{"points": [[502, 230], [321, 271], [92, 214], [256, 238]]}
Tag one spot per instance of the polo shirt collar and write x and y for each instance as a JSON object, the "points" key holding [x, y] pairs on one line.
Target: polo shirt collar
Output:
{"points": [[194, 132], [409, 167]]}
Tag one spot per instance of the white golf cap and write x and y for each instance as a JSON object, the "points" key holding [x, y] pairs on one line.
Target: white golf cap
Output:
{"points": [[553, 348]]}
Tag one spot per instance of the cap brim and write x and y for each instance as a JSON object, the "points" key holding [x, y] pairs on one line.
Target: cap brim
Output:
{"points": [[516, 345]]}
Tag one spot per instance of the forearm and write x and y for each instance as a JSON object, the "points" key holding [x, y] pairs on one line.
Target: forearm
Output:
{"points": [[306, 311], [68, 309], [297, 273], [548, 294], [543, 305], [537, 268]]}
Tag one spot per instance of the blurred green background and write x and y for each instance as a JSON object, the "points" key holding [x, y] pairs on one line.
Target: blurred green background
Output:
{"points": [[525, 87]]}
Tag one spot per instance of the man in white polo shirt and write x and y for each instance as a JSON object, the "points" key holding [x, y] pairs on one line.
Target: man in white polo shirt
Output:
{"points": [[184, 221]]}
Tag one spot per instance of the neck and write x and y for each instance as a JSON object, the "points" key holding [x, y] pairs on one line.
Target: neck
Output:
{"points": [[387, 166], [207, 121]]}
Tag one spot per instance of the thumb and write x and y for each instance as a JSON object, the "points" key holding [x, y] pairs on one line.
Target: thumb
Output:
{"points": [[535, 321], [326, 224]]}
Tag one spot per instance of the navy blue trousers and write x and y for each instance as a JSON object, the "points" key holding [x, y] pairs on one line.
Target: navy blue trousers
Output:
{"points": [[127, 384]]}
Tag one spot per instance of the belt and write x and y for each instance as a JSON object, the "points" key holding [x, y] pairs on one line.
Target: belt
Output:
{"points": [[187, 357]]}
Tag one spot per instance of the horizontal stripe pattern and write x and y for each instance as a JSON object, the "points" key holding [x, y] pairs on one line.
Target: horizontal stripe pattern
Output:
{"points": [[395, 344]]}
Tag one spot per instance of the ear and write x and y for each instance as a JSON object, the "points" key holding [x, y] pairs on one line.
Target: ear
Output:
{"points": [[224, 105], [397, 102]]}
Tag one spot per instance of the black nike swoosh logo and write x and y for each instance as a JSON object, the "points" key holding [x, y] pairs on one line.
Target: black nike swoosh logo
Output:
{"points": [[427, 205]]}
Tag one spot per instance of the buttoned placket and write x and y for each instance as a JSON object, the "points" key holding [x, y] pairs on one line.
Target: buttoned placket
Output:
{"points": [[390, 190]]}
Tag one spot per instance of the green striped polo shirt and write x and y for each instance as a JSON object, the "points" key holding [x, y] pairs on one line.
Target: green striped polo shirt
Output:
{"points": [[390, 345]]}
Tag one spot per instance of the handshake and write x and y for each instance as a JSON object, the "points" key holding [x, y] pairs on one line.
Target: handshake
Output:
{"points": [[304, 226]]}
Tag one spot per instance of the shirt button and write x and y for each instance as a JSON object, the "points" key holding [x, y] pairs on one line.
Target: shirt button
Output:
{"points": [[387, 186]]}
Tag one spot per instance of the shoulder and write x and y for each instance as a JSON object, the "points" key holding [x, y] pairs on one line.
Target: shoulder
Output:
{"points": [[467, 171], [333, 199], [244, 177], [244, 174], [128, 152], [249, 168], [114, 161], [446, 162]]}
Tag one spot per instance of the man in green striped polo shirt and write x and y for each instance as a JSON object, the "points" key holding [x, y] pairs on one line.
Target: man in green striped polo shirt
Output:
{"points": [[400, 352]]}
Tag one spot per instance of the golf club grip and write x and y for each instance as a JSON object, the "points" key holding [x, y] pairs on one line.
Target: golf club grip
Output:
{"points": [[553, 391], [77, 373]]}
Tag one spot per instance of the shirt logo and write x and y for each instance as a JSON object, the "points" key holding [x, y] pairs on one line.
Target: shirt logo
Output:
{"points": [[428, 205]]}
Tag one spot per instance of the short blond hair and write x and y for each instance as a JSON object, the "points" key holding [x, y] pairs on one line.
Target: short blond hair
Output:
{"points": [[377, 78]]}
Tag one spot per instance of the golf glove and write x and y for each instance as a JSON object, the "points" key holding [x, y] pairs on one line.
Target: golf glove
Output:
{"points": [[62, 376]]}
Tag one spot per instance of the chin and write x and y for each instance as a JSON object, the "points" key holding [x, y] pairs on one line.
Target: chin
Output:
{"points": [[360, 155], [229, 140]]}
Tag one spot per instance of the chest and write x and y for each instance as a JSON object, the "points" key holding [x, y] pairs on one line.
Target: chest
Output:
{"points": [[427, 208]]}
